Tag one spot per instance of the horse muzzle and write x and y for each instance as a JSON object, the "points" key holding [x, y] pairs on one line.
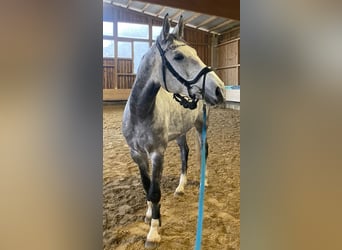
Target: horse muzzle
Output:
{"points": [[219, 95], [214, 95]]}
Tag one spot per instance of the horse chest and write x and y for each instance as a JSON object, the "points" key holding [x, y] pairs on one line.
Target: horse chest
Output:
{"points": [[176, 124], [145, 135]]}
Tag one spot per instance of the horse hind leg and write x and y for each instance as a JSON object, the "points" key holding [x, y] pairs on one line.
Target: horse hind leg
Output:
{"points": [[199, 134], [184, 149], [154, 195], [142, 162]]}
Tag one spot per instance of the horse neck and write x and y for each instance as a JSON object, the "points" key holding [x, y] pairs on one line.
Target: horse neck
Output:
{"points": [[145, 88]]}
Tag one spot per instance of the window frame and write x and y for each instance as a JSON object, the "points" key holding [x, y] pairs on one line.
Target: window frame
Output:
{"points": [[149, 40], [109, 37], [131, 37]]}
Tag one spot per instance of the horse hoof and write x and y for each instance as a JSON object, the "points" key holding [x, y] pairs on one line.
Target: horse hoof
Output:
{"points": [[178, 194], [148, 220], [151, 244]]}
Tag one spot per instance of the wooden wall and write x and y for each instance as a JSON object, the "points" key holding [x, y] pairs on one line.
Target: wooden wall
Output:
{"points": [[118, 73], [227, 57], [201, 42], [120, 78]]}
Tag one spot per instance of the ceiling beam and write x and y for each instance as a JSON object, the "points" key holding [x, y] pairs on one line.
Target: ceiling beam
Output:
{"points": [[220, 25], [145, 7], [118, 4], [161, 11], [191, 18], [176, 14], [224, 8], [206, 21]]}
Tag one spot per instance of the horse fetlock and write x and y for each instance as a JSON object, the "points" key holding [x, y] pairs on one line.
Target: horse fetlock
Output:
{"points": [[183, 180], [148, 214], [182, 183], [147, 220]]}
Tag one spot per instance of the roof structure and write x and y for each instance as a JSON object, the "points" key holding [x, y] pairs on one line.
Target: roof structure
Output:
{"points": [[208, 23]]}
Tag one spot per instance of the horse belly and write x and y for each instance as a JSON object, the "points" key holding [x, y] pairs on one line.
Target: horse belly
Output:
{"points": [[179, 128]]}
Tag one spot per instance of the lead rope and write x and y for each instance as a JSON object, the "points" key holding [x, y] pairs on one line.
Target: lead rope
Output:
{"points": [[202, 178]]}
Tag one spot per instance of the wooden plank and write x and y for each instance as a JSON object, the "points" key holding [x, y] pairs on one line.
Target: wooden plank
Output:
{"points": [[228, 67], [227, 51], [116, 94], [228, 54], [206, 21], [126, 74], [224, 8], [227, 42], [220, 25], [229, 35], [229, 76]]}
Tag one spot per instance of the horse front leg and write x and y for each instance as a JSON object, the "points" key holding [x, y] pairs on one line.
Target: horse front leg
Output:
{"points": [[154, 195], [142, 161], [184, 149]]}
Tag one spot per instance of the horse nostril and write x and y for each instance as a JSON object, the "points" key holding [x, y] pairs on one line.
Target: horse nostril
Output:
{"points": [[219, 94]]}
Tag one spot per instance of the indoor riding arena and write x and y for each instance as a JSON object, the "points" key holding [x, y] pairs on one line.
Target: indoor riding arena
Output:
{"points": [[129, 30]]}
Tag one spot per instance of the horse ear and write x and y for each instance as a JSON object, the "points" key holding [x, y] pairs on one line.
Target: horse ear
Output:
{"points": [[166, 28], [179, 29]]}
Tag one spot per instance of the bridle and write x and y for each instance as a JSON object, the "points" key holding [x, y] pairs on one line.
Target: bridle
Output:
{"points": [[185, 102]]}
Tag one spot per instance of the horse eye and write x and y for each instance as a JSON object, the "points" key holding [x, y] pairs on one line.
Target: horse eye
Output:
{"points": [[178, 57]]}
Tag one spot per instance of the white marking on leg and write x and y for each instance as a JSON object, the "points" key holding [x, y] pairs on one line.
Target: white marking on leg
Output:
{"points": [[153, 235], [206, 177], [148, 215], [182, 183]]}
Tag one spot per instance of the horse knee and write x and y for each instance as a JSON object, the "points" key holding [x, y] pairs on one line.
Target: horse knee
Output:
{"points": [[157, 170], [138, 157], [145, 179], [141, 160]]}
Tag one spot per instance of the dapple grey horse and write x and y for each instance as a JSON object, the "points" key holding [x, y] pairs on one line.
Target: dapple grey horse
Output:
{"points": [[153, 116]]}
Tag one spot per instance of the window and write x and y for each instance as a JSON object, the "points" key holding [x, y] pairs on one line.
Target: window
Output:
{"points": [[108, 28], [133, 30], [140, 48], [108, 48], [108, 42], [156, 31], [125, 49]]}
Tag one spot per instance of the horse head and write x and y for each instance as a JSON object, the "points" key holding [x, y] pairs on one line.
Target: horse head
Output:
{"points": [[183, 72]]}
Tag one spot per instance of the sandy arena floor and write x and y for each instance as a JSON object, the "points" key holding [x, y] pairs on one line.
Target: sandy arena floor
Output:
{"points": [[124, 202]]}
